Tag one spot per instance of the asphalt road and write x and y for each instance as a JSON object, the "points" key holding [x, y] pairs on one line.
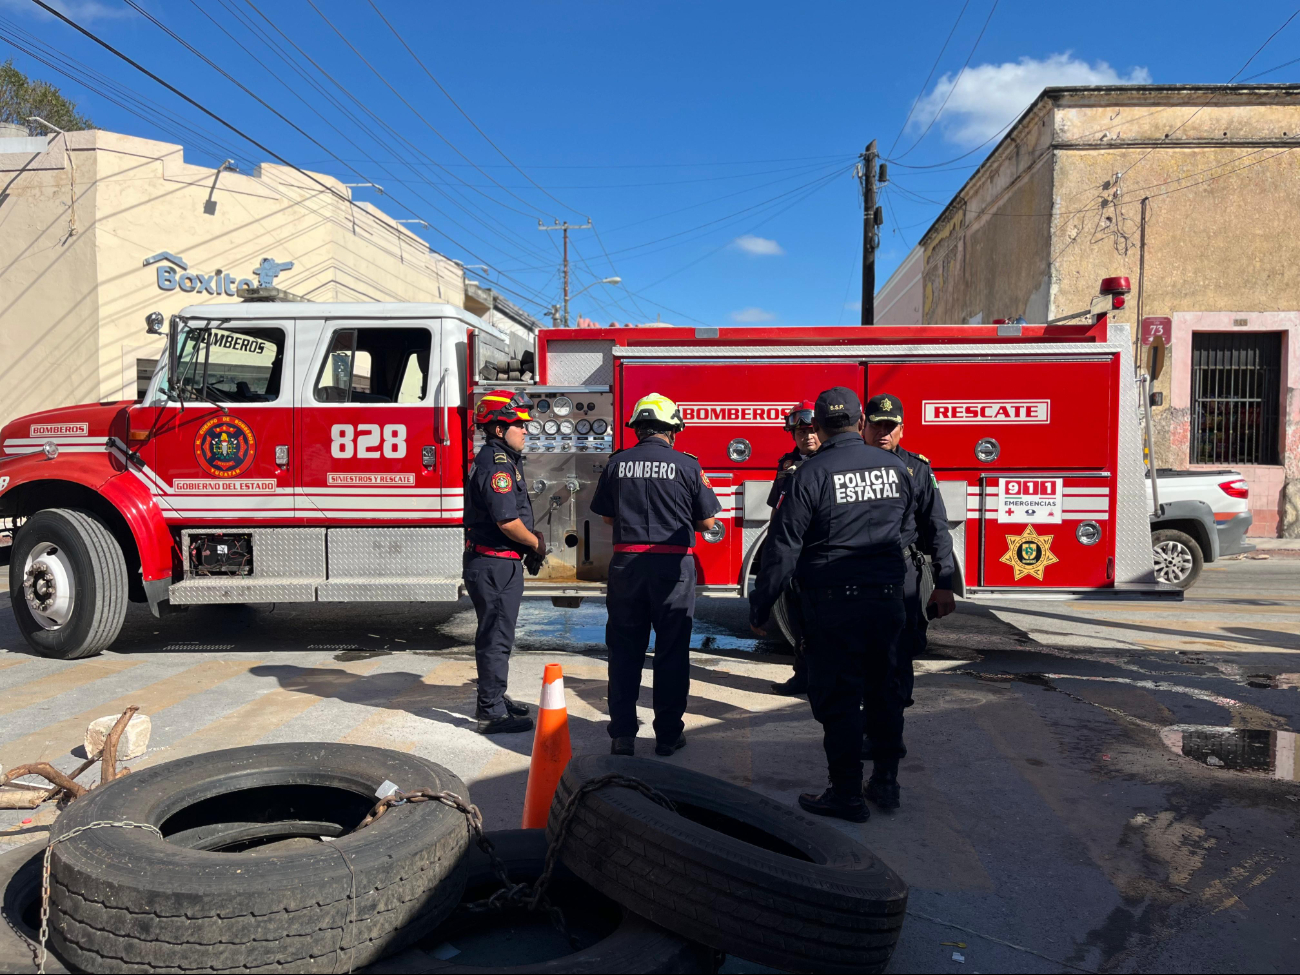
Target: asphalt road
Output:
{"points": [[1096, 786]]}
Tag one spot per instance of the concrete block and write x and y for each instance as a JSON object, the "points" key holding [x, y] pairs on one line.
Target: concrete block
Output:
{"points": [[132, 744]]}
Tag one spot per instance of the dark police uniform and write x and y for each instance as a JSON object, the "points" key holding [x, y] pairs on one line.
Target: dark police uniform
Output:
{"points": [[785, 468], [494, 571], [655, 494], [838, 531], [925, 534]]}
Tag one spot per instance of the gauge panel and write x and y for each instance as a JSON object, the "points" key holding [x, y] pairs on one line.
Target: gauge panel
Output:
{"points": [[562, 406], [567, 421]]}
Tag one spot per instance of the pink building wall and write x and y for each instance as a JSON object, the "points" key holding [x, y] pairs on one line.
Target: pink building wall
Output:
{"points": [[1266, 481]]}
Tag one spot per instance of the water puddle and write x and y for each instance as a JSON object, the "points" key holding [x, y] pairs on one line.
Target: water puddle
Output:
{"points": [[1273, 753], [545, 627], [359, 654]]}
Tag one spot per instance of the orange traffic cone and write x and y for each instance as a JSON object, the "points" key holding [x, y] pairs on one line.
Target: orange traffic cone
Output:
{"points": [[551, 749]]}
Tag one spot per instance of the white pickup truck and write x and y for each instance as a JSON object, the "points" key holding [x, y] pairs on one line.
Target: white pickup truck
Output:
{"points": [[1204, 515]]}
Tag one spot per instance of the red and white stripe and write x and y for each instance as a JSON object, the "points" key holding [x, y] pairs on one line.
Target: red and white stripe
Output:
{"points": [[1077, 503]]}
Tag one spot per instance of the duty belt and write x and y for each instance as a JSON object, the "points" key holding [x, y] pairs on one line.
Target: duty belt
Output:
{"points": [[500, 553], [848, 592], [656, 549]]}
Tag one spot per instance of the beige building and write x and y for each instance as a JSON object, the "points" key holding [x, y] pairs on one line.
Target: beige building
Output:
{"points": [[1193, 192], [98, 229], [899, 301]]}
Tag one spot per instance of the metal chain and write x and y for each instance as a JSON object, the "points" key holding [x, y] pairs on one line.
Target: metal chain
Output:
{"points": [[45, 876], [529, 896]]}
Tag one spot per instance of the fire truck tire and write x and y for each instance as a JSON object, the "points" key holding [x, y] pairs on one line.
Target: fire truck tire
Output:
{"points": [[634, 944], [1178, 558], [20, 909], [124, 901], [730, 868], [79, 553]]}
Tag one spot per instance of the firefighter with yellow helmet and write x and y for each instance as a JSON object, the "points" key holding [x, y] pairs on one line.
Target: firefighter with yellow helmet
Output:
{"points": [[656, 498]]}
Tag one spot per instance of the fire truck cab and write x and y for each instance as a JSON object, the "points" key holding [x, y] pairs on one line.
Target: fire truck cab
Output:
{"points": [[299, 452]]}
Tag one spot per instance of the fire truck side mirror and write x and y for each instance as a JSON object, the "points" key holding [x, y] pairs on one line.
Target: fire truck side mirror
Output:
{"points": [[1157, 361], [153, 323]]}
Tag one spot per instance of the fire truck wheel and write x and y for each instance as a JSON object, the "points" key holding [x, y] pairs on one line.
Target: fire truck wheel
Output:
{"points": [[730, 868], [1177, 556], [609, 938], [67, 584], [122, 900], [20, 908]]}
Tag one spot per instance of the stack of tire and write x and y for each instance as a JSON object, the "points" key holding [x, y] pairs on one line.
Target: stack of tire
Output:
{"points": [[260, 870]]}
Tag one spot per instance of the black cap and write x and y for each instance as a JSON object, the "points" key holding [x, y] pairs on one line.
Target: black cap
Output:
{"points": [[883, 407], [838, 401]]}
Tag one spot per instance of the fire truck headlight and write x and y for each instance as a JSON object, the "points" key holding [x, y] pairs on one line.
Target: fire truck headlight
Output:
{"points": [[1088, 533], [739, 450], [715, 534], [987, 450]]}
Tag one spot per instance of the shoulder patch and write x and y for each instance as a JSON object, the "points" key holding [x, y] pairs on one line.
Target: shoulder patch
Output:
{"points": [[502, 483], [500, 458], [705, 478]]}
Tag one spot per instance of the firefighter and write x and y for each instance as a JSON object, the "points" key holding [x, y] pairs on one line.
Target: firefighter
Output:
{"points": [[656, 498], [837, 533], [799, 423], [499, 518], [927, 554]]}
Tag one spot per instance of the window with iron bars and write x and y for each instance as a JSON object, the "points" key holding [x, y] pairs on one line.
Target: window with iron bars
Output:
{"points": [[1236, 397]]}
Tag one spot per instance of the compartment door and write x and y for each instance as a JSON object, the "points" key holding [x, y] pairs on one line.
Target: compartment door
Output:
{"points": [[717, 554]]}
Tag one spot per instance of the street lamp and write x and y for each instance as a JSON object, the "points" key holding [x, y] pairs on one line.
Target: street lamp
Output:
{"points": [[587, 288]]}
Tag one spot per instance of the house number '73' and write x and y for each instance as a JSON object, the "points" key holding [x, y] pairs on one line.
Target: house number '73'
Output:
{"points": [[365, 440]]}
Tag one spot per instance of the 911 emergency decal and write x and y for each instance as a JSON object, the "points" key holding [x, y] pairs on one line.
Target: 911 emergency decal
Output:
{"points": [[502, 483], [868, 485], [225, 446], [1029, 553]]}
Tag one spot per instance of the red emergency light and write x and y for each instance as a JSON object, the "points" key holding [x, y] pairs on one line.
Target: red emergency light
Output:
{"points": [[1115, 286]]}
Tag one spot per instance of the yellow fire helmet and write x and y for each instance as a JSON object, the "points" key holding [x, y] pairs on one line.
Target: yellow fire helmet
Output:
{"points": [[661, 409]]}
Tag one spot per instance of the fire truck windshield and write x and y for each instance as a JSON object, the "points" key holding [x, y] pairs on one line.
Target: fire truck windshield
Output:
{"points": [[229, 365]]}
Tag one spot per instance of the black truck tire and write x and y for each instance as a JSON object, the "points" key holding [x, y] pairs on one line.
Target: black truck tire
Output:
{"points": [[20, 910], [124, 901], [635, 945], [1178, 558], [88, 555], [731, 869]]}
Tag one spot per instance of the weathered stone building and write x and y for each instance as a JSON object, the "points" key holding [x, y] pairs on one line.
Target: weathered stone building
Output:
{"points": [[1191, 191]]}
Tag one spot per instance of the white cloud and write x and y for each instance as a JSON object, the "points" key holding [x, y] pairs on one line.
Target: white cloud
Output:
{"points": [[752, 314], [989, 96], [757, 246], [82, 11]]}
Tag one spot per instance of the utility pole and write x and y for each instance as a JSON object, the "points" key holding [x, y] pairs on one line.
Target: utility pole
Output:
{"points": [[872, 217], [566, 227]]}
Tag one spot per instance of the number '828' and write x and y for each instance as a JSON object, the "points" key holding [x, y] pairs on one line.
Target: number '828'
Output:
{"points": [[366, 440]]}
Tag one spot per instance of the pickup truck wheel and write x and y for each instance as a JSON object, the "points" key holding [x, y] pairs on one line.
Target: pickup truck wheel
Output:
{"points": [[1177, 557], [68, 584]]}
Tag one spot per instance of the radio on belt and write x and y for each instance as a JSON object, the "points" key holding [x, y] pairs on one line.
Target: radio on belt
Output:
{"points": [[318, 453]]}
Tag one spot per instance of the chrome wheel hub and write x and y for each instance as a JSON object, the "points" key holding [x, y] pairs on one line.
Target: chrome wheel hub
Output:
{"points": [[1173, 562], [48, 586]]}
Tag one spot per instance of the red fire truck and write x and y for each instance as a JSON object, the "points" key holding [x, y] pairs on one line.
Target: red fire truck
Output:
{"points": [[298, 452]]}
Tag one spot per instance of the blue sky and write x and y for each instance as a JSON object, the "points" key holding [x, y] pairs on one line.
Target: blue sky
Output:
{"points": [[711, 143]]}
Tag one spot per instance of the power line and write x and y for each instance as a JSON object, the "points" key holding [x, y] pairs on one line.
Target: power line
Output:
{"points": [[934, 67], [955, 82]]}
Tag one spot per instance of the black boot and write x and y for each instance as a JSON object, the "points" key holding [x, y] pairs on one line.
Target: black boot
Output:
{"points": [[882, 788], [798, 684], [667, 748], [625, 745], [506, 724], [515, 708], [832, 803]]}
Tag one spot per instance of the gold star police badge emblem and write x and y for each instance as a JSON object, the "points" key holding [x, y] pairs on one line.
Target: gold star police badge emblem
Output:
{"points": [[886, 404], [1029, 553]]}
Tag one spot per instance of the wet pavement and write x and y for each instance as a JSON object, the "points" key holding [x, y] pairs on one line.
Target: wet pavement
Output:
{"points": [[1090, 786]]}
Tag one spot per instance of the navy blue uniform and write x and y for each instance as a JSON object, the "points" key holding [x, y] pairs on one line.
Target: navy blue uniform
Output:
{"points": [[925, 534], [785, 468], [838, 531], [494, 571], [655, 495]]}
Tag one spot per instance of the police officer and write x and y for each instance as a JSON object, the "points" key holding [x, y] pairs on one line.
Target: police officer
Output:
{"points": [[799, 423], [927, 554], [500, 521], [656, 498], [837, 532]]}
